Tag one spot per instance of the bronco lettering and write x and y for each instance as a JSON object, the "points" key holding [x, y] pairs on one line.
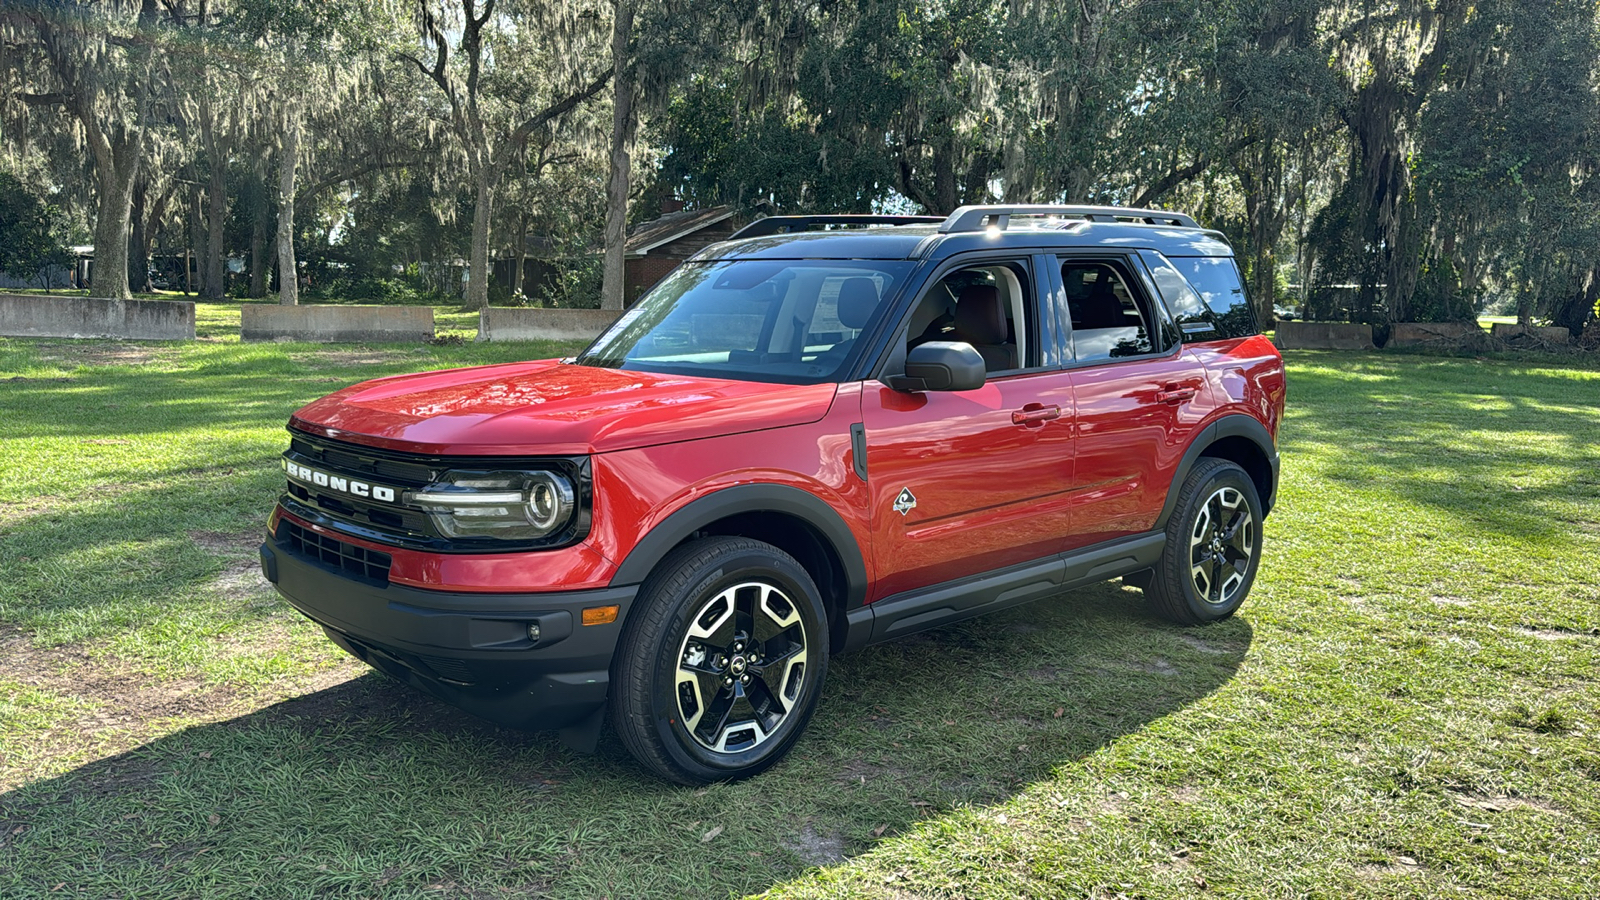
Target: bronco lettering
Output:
{"points": [[308, 475]]}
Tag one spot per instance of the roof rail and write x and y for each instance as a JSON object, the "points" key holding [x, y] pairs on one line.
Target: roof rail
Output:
{"points": [[792, 224], [977, 218]]}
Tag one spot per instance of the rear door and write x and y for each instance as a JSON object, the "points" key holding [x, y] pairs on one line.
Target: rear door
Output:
{"points": [[1139, 396], [965, 482]]}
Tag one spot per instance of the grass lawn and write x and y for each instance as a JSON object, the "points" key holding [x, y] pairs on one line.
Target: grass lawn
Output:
{"points": [[1407, 706]]}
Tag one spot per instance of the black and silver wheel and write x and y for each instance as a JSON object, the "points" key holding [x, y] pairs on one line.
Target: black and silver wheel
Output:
{"points": [[1213, 546], [721, 663]]}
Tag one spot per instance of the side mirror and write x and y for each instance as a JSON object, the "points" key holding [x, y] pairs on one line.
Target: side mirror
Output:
{"points": [[940, 366]]}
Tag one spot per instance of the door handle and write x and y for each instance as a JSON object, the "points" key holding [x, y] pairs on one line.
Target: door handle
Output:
{"points": [[1034, 414], [1174, 393]]}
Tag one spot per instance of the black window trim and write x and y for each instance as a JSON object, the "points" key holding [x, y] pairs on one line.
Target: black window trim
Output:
{"points": [[1132, 261]]}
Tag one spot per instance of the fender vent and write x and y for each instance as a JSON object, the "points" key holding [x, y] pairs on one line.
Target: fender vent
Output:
{"points": [[368, 565]]}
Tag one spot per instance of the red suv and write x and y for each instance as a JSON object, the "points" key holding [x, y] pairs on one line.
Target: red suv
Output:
{"points": [[822, 433]]}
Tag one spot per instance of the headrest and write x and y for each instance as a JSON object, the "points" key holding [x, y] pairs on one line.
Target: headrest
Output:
{"points": [[980, 319], [858, 297]]}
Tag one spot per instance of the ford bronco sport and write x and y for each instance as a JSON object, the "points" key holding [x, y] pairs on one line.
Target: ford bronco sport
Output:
{"points": [[820, 434]]}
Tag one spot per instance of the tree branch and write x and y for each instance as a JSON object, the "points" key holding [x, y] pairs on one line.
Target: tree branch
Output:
{"points": [[1179, 175], [57, 99], [309, 191], [562, 108]]}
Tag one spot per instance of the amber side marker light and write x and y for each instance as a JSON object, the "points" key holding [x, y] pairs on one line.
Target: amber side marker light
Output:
{"points": [[600, 615]]}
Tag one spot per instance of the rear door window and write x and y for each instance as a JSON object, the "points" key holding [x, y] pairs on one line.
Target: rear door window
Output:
{"points": [[1111, 317]]}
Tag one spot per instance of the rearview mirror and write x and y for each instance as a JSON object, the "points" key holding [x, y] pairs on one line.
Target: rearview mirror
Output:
{"points": [[940, 366]]}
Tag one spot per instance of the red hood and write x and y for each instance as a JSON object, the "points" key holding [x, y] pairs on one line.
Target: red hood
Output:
{"points": [[547, 407]]}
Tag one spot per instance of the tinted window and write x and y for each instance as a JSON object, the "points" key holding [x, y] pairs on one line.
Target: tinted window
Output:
{"points": [[791, 321], [1110, 320], [1216, 279]]}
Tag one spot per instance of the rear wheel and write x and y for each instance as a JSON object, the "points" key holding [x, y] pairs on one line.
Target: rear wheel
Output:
{"points": [[1213, 546], [722, 662]]}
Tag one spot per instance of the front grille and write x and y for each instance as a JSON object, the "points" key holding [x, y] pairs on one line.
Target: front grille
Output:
{"points": [[391, 522], [368, 565]]}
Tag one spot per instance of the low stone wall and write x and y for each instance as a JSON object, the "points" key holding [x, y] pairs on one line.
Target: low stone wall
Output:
{"points": [[1552, 334], [36, 315], [509, 323], [341, 324], [1323, 336], [1420, 334]]}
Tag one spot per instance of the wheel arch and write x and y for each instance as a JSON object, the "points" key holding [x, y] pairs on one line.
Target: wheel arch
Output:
{"points": [[1237, 438], [795, 521]]}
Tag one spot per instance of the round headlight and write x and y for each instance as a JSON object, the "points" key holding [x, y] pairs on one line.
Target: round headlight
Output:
{"points": [[506, 505], [549, 500]]}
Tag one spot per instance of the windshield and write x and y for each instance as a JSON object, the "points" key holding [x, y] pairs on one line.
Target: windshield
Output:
{"points": [[792, 321]]}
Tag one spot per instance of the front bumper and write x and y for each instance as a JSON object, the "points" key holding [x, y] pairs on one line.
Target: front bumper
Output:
{"points": [[470, 650]]}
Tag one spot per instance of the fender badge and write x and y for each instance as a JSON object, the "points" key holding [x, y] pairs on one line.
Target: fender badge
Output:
{"points": [[906, 502]]}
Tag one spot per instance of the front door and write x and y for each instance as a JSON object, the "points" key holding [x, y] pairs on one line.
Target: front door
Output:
{"points": [[964, 482]]}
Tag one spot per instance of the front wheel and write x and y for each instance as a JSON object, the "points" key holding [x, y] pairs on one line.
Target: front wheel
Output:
{"points": [[722, 662], [1213, 546]]}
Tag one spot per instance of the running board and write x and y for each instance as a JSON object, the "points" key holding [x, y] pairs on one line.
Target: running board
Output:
{"points": [[913, 611]]}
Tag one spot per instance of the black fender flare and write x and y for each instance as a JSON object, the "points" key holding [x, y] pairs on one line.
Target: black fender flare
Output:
{"points": [[1235, 425], [746, 498]]}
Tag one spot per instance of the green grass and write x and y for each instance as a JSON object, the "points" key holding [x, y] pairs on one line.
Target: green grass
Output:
{"points": [[1406, 706]]}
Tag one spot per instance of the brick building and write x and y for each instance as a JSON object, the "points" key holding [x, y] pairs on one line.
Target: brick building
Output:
{"points": [[658, 246]]}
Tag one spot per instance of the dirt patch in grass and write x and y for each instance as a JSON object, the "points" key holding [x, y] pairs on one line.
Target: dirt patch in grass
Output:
{"points": [[1488, 804], [323, 359], [103, 353], [815, 849], [241, 579], [1554, 634], [121, 706]]}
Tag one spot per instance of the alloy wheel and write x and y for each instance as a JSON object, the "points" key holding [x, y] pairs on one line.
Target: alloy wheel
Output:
{"points": [[1221, 546], [741, 667]]}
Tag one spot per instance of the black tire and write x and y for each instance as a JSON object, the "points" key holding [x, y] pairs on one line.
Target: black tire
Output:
{"points": [[1213, 546], [721, 663]]}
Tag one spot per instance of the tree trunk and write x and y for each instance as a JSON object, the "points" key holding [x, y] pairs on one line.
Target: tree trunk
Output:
{"points": [[478, 275], [139, 241], [288, 272], [110, 276], [258, 255], [198, 236], [519, 276], [211, 254], [216, 218], [613, 284]]}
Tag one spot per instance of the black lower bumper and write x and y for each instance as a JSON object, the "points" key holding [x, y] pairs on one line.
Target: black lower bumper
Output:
{"points": [[470, 650]]}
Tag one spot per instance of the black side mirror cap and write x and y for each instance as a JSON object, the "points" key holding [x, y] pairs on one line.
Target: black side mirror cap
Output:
{"points": [[940, 366]]}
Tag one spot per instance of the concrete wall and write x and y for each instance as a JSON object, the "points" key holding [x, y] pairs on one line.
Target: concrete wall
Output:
{"points": [[1553, 334], [498, 323], [1419, 334], [25, 315], [351, 324], [1323, 336]]}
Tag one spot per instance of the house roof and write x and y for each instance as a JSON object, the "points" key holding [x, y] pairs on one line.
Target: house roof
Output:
{"points": [[672, 226]]}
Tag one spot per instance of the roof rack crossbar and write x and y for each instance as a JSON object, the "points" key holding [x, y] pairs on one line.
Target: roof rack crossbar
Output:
{"points": [[977, 218], [792, 224]]}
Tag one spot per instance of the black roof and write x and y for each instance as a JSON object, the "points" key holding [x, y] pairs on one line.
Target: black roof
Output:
{"points": [[974, 228]]}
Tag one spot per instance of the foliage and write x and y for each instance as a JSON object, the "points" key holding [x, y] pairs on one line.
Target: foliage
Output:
{"points": [[1415, 159], [30, 232]]}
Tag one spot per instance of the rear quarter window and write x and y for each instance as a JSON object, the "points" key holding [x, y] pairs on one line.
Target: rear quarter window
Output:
{"points": [[1216, 280]]}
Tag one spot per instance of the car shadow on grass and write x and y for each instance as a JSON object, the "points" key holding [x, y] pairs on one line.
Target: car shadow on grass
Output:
{"points": [[370, 788]]}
